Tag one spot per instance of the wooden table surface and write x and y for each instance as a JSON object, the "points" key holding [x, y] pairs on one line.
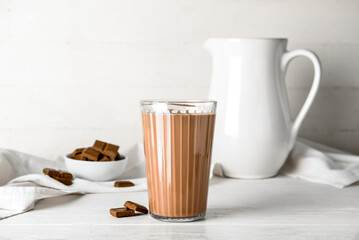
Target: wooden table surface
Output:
{"points": [[276, 208]]}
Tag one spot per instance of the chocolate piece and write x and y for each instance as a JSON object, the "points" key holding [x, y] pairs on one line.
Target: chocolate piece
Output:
{"points": [[121, 212], [57, 173], [77, 153], [90, 154], [78, 157], [66, 175], [110, 150], [104, 159], [51, 172], [100, 151], [66, 181], [136, 207], [99, 145], [123, 184], [61, 176]]}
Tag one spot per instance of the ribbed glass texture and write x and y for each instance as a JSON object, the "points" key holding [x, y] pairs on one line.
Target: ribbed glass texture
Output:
{"points": [[178, 138]]}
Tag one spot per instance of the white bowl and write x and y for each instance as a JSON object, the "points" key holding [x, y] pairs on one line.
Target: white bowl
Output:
{"points": [[96, 171]]}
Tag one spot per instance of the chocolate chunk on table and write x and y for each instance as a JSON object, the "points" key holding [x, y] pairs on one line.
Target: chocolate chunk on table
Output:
{"points": [[121, 212], [136, 207], [110, 150], [65, 181], [61, 176], [91, 154], [124, 184], [51, 172], [66, 175], [57, 173]]}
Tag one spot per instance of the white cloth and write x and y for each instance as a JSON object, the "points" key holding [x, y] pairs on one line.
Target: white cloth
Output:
{"points": [[321, 164], [317, 163], [26, 184]]}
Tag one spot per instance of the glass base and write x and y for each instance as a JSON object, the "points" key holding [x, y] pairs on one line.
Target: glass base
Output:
{"points": [[175, 219]]}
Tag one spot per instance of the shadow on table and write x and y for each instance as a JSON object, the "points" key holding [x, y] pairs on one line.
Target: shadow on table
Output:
{"points": [[353, 185], [57, 201], [216, 180]]}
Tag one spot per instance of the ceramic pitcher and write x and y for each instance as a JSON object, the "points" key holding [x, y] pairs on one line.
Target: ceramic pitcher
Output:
{"points": [[254, 130]]}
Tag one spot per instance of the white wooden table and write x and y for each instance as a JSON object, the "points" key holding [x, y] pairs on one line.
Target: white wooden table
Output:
{"points": [[276, 208]]}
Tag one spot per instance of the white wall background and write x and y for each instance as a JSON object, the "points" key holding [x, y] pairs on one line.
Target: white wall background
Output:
{"points": [[72, 71]]}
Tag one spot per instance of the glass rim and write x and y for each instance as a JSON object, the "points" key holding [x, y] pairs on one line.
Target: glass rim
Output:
{"points": [[176, 101]]}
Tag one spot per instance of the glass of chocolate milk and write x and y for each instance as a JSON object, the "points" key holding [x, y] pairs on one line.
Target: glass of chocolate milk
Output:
{"points": [[178, 138]]}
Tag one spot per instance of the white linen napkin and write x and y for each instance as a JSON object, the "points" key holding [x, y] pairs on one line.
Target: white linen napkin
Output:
{"points": [[321, 164], [317, 163], [28, 184]]}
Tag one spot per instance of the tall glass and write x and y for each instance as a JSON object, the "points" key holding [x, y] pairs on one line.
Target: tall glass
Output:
{"points": [[178, 138]]}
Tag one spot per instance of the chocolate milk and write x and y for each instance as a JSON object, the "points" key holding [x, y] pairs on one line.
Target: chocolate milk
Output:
{"points": [[178, 154]]}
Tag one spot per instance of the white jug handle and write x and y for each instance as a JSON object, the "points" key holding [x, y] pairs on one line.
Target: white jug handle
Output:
{"points": [[286, 58]]}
